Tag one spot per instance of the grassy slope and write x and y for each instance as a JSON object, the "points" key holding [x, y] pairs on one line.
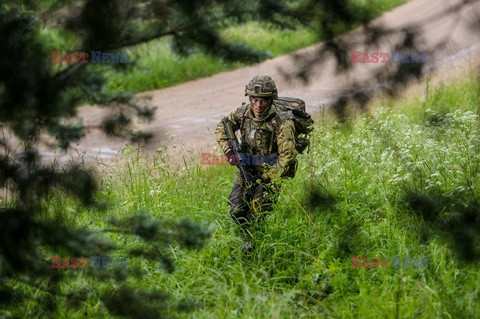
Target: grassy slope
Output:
{"points": [[159, 67], [362, 191]]}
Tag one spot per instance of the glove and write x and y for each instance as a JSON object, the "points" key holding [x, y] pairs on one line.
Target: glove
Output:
{"points": [[232, 158], [273, 174]]}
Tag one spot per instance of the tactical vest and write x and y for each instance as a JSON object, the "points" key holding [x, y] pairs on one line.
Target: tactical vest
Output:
{"points": [[260, 137]]}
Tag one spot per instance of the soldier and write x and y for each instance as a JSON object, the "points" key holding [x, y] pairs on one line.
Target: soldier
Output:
{"points": [[263, 132]]}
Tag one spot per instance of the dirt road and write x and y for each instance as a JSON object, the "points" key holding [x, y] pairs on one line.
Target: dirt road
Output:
{"points": [[188, 113]]}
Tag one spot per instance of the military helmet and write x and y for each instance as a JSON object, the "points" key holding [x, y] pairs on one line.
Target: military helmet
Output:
{"points": [[261, 86]]}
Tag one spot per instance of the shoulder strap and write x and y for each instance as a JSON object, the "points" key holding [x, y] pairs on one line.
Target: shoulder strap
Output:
{"points": [[243, 122]]}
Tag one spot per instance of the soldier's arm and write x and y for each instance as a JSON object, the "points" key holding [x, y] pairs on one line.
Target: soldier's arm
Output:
{"points": [[286, 151], [220, 133]]}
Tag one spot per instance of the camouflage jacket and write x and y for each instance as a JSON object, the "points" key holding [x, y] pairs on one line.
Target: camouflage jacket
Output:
{"points": [[274, 134]]}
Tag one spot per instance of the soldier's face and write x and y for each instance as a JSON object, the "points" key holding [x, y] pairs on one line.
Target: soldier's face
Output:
{"points": [[258, 105]]}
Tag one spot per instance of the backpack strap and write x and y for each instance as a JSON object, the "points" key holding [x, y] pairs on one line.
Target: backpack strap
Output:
{"points": [[274, 135]]}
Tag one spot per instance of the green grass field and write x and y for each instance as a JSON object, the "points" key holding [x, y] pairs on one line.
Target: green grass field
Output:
{"points": [[401, 180]]}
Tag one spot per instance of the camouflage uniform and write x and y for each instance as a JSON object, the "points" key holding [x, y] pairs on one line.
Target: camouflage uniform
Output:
{"points": [[274, 134]]}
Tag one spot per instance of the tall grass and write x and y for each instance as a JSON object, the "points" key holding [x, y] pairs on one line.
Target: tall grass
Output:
{"points": [[400, 180]]}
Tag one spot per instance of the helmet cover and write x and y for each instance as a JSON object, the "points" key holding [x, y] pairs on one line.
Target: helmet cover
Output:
{"points": [[261, 86]]}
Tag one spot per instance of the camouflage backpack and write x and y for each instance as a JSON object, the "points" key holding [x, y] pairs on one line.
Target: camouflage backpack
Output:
{"points": [[293, 108]]}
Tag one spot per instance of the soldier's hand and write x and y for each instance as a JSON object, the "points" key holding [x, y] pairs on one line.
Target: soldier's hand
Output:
{"points": [[232, 158], [273, 174]]}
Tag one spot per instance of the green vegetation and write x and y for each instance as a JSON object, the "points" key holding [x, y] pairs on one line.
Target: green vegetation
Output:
{"points": [[400, 181], [158, 66]]}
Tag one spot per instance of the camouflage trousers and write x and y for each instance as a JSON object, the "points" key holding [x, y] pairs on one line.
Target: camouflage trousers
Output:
{"points": [[246, 209]]}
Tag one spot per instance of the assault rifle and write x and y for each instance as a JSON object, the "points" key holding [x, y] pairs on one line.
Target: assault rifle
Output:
{"points": [[237, 149]]}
